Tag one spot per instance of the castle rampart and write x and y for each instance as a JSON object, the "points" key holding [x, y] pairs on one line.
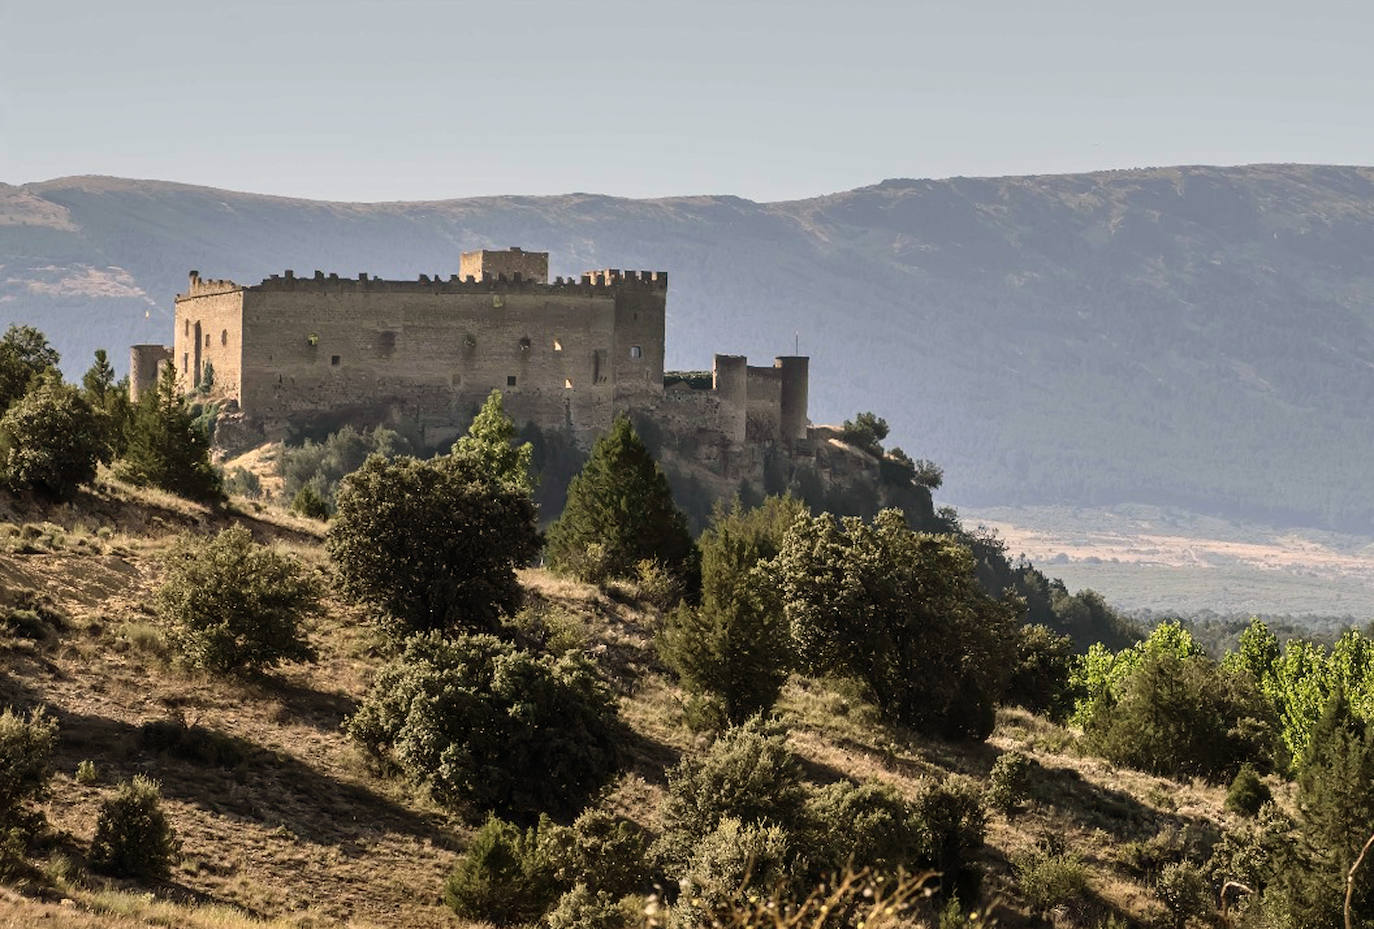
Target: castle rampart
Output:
{"points": [[304, 352]]}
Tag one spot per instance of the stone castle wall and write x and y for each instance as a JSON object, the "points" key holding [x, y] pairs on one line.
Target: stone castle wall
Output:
{"points": [[313, 353], [295, 350]]}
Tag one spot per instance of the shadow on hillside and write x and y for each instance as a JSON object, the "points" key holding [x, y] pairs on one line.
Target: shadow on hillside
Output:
{"points": [[323, 710], [235, 778], [1094, 806], [646, 756], [146, 513]]}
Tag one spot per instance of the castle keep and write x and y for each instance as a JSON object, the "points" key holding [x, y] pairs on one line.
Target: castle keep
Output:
{"points": [[295, 353]]}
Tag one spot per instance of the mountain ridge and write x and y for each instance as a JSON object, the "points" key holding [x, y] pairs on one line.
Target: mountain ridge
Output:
{"points": [[1185, 335]]}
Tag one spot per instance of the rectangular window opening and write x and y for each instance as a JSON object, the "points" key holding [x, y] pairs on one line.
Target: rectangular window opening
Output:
{"points": [[185, 362], [510, 380], [636, 351], [567, 383], [334, 360]]}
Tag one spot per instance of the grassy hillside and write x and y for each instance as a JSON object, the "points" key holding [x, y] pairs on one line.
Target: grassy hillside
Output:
{"points": [[284, 824], [1192, 336]]}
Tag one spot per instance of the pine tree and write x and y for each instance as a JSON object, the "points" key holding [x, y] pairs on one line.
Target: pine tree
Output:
{"points": [[735, 645], [489, 449], [621, 501], [164, 447], [110, 398], [1336, 799]]}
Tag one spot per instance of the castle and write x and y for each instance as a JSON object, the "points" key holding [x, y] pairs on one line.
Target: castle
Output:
{"points": [[293, 354]]}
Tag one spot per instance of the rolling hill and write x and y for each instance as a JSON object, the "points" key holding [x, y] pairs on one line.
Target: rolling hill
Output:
{"points": [[1193, 336]]}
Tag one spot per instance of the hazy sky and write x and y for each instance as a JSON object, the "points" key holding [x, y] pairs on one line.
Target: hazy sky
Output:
{"points": [[402, 99]]}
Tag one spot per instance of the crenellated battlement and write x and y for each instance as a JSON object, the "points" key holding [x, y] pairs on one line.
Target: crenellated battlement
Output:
{"points": [[198, 286], [589, 283]]}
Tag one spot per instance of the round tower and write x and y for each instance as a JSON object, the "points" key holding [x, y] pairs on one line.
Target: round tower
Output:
{"points": [[730, 381]]}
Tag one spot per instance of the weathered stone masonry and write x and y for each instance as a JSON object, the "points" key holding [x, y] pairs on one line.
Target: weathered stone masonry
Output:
{"points": [[293, 353]]}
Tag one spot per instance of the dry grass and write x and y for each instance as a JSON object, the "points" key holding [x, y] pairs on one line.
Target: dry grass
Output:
{"points": [[290, 828]]}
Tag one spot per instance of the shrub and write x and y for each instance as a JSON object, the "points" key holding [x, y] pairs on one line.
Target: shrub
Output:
{"points": [[621, 500], [903, 612], [1040, 679], [164, 447], [1184, 892], [234, 605], [656, 585], [489, 447], [26, 745], [860, 826], [86, 774], [748, 774], [583, 908], [490, 727], [734, 861], [243, 483], [1247, 793], [734, 646], [132, 836], [1009, 782], [308, 503], [1181, 717], [51, 440], [321, 466], [866, 431], [432, 543], [501, 876], [25, 355], [1051, 879], [600, 851], [952, 824]]}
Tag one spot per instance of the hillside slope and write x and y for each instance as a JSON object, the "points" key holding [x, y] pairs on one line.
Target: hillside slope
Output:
{"points": [[282, 820], [1200, 337]]}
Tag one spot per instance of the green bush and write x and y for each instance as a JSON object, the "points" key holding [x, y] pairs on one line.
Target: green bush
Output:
{"points": [[1247, 793], [1182, 717], [26, 745], [243, 483], [165, 447], [1009, 782], [309, 503], [434, 544], [1184, 892], [861, 826], [867, 431], [234, 605], [51, 440], [501, 877], [732, 862], [1051, 879], [1040, 680], [321, 466], [490, 727], [583, 908], [600, 851], [656, 585], [903, 612], [952, 824], [25, 356], [132, 836], [748, 774], [621, 500], [734, 646], [86, 773]]}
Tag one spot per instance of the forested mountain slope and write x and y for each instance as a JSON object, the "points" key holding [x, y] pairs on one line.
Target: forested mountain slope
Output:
{"points": [[1189, 336]]}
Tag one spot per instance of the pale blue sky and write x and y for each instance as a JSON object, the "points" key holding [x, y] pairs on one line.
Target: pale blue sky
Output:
{"points": [[418, 100]]}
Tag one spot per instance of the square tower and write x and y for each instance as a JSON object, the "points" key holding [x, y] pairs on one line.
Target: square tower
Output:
{"points": [[531, 266]]}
